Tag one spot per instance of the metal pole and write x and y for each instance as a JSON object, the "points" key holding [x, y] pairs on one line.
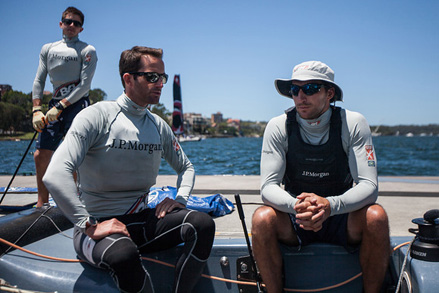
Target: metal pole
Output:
{"points": [[241, 216], [19, 165]]}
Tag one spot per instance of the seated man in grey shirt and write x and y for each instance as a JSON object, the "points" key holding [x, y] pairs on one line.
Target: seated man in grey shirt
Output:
{"points": [[116, 148]]}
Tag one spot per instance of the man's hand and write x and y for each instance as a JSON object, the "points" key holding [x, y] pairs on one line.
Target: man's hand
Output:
{"points": [[311, 211], [166, 206], [106, 228], [53, 114], [38, 118]]}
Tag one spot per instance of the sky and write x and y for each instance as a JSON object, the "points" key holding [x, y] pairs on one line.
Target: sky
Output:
{"points": [[228, 53]]}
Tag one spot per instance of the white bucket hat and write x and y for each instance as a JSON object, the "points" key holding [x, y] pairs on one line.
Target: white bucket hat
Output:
{"points": [[310, 70]]}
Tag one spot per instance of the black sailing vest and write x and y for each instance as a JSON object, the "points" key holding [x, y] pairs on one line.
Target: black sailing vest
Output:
{"points": [[321, 169]]}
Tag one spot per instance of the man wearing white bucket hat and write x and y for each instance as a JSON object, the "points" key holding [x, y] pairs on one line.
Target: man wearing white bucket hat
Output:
{"points": [[324, 156]]}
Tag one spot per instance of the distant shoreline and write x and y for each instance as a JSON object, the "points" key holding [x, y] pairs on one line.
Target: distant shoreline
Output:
{"points": [[380, 130]]}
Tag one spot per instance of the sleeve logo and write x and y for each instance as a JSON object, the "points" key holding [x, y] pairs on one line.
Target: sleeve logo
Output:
{"points": [[370, 156], [176, 145], [87, 59]]}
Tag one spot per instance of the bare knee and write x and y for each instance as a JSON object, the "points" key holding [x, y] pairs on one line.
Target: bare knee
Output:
{"points": [[376, 216], [42, 156], [263, 218], [37, 155], [271, 223], [371, 220]]}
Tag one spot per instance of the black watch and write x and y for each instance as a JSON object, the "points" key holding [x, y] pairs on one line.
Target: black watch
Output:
{"points": [[91, 222], [59, 106]]}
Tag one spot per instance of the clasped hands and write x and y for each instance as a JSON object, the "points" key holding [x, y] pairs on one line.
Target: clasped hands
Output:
{"points": [[311, 211], [114, 226]]}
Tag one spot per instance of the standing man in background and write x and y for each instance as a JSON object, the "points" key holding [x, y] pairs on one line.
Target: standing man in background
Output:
{"points": [[71, 65], [325, 157]]}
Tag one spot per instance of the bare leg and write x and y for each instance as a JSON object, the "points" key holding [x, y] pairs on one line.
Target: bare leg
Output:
{"points": [[370, 226], [42, 158], [270, 226]]}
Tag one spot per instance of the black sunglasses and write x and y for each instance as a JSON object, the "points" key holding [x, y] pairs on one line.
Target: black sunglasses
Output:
{"points": [[152, 76], [308, 89], [68, 22]]}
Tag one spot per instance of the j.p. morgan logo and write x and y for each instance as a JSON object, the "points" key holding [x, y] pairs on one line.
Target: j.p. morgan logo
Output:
{"points": [[135, 145], [64, 58], [315, 174]]}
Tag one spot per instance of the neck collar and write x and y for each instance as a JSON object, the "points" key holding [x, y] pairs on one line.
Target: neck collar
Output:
{"points": [[70, 40], [128, 105], [315, 125]]}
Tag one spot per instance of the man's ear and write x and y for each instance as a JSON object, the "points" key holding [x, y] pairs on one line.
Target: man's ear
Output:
{"points": [[331, 93], [127, 78]]}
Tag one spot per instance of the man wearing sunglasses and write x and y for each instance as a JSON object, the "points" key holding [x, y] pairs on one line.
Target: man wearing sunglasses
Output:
{"points": [[71, 65], [324, 156], [116, 148]]}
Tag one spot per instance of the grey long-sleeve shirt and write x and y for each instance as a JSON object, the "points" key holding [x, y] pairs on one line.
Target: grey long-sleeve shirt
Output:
{"points": [[116, 149], [70, 64], [357, 144]]}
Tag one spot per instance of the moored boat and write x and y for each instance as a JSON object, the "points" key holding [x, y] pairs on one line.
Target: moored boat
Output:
{"points": [[177, 115]]}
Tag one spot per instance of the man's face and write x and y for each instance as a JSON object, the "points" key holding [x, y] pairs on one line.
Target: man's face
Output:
{"points": [[139, 89], [312, 106], [70, 30]]}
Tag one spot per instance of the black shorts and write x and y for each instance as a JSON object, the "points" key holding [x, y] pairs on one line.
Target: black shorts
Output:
{"points": [[334, 230], [54, 132]]}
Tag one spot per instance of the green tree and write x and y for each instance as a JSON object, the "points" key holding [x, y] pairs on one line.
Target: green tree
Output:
{"points": [[96, 95], [161, 110], [15, 111], [19, 99], [45, 101], [224, 129], [12, 117], [249, 128]]}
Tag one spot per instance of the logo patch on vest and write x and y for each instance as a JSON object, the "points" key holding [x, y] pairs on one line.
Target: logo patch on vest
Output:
{"points": [[370, 156]]}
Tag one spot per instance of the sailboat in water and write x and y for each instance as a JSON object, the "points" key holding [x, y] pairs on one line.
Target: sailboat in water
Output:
{"points": [[177, 115]]}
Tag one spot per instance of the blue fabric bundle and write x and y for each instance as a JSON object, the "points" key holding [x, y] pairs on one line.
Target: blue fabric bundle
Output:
{"points": [[215, 205]]}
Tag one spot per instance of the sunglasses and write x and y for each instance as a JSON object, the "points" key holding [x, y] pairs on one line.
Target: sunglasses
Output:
{"points": [[152, 77], [68, 22], [308, 89]]}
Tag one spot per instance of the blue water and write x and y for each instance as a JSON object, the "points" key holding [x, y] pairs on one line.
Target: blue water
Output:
{"points": [[397, 155]]}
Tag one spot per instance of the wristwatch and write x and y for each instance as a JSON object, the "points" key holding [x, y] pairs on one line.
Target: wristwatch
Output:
{"points": [[59, 106], [91, 222]]}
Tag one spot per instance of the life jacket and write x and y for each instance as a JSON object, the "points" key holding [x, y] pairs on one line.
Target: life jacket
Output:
{"points": [[320, 169]]}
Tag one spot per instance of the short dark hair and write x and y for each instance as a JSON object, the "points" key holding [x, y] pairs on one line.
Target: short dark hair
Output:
{"points": [[130, 59], [73, 10]]}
